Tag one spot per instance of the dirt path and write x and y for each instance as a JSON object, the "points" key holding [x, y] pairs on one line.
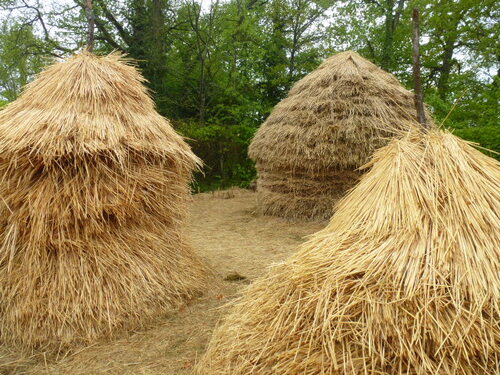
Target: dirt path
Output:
{"points": [[229, 235]]}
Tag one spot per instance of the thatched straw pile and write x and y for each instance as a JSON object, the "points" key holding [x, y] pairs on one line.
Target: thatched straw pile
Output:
{"points": [[94, 187], [404, 279], [332, 121]]}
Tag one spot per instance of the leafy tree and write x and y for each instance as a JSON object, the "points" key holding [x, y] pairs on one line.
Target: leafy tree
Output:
{"points": [[465, 28], [21, 57], [217, 70]]}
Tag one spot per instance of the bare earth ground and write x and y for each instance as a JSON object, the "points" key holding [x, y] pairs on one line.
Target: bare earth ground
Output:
{"points": [[229, 235]]}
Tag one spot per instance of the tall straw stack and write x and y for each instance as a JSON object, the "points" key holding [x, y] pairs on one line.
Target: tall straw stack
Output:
{"points": [[94, 188], [404, 279], [308, 150]]}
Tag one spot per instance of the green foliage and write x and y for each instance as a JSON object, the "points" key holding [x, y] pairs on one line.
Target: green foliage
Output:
{"points": [[486, 136], [473, 103], [474, 115], [223, 150], [19, 58]]}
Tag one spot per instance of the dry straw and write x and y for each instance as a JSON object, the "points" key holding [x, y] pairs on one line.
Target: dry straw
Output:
{"points": [[332, 121], [94, 188], [404, 279]]}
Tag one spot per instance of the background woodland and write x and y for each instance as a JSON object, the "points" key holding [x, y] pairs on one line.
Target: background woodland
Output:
{"points": [[216, 69]]}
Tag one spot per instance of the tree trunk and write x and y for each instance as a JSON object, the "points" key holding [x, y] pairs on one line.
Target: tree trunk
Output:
{"points": [[157, 49], [392, 17], [419, 95], [90, 25], [202, 92], [445, 70], [388, 37]]}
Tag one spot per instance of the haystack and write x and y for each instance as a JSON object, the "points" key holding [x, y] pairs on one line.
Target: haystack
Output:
{"points": [[403, 280], [308, 150], [94, 187]]}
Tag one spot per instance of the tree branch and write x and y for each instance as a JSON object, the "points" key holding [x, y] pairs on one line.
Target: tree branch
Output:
{"points": [[376, 3], [105, 35], [111, 18], [47, 38], [397, 15]]}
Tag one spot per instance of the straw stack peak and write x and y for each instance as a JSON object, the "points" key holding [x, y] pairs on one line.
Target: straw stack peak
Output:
{"points": [[87, 104], [349, 57]]}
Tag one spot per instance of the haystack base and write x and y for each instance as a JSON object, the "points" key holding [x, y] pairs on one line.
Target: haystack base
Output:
{"points": [[305, 196], [72, 299]]}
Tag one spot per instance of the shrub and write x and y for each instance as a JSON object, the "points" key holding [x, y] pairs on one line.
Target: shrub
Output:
{"points": [[223, 150]]}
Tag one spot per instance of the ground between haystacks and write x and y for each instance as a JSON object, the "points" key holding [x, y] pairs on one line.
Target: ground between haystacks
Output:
{"points": [[232, 237]]}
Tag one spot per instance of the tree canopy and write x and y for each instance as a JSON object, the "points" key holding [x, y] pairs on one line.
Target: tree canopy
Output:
{"points": [[217, 68]]}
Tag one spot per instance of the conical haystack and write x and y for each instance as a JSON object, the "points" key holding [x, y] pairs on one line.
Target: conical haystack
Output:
{"points": [[308, 150], [94, 187], [404, 279]]}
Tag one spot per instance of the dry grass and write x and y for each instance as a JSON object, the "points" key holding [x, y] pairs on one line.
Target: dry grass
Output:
{"points": [[404, 279], [226, 232], [94, 198], [332, 121]]}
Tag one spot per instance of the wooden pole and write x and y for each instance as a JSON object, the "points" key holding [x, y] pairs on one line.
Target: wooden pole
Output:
{"points": [[419, 94], [90, 25]]}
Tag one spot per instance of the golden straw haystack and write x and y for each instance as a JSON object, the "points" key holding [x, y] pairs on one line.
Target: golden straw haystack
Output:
{"points": [[94, 188], [403, 280], [307, 152]]}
